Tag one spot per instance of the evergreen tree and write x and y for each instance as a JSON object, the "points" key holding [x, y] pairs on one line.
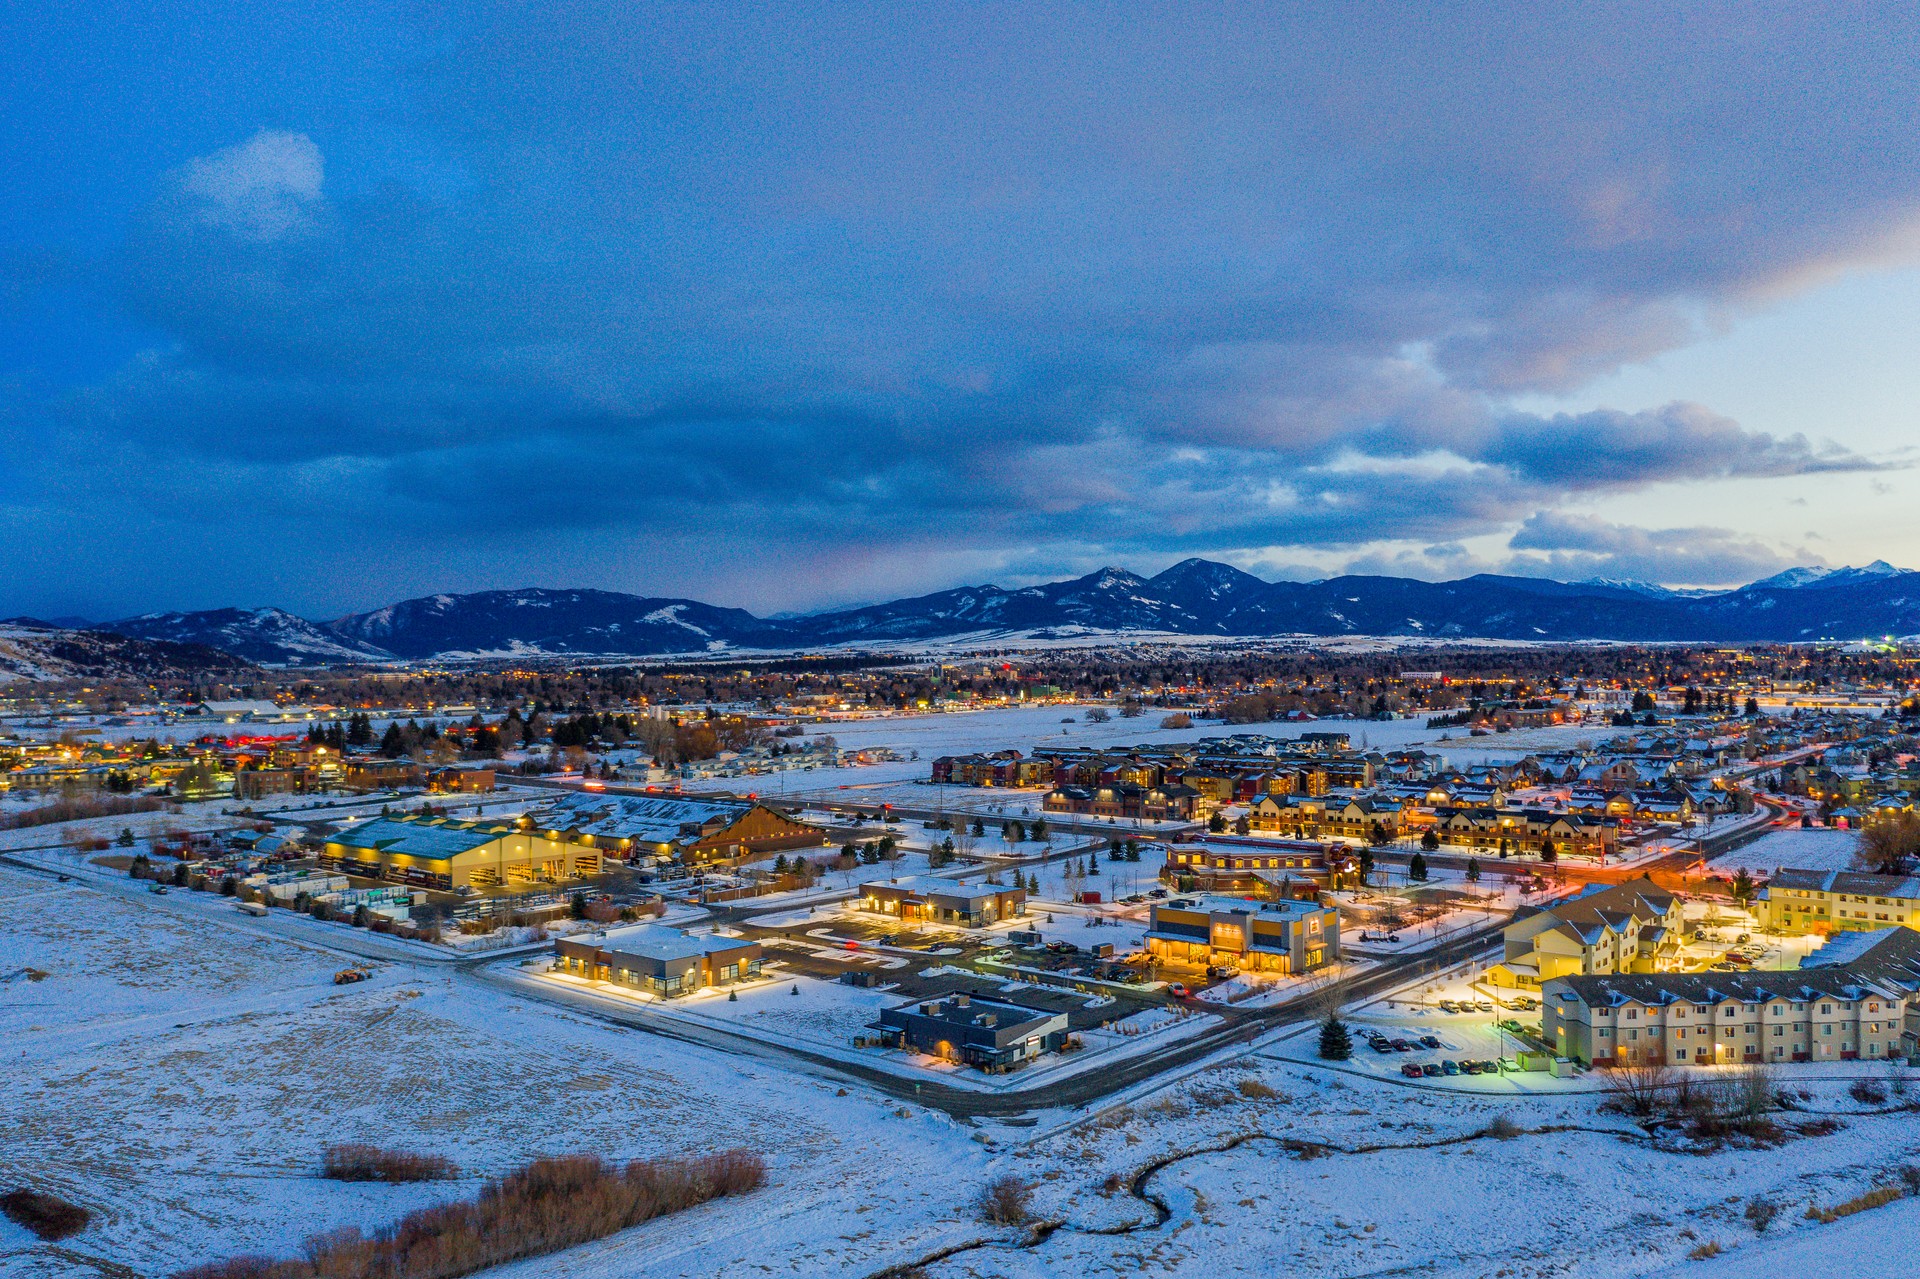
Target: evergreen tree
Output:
{"points": [[1365, 862], [1743, 886], [1430, 840], [394, 744], [1548, 853], [1093, 863], [1473, 870], [1417, 868], [577, 905], [1336, 1043]]}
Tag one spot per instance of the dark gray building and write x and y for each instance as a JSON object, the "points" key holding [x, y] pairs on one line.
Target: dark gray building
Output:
{"points": [[992, 1034]]}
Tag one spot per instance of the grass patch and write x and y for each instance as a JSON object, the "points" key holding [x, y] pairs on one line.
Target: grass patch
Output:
{"points": [[48, 1216], [1704, 1251], [371, 1163], [550, 1205], [1876, 1198]]}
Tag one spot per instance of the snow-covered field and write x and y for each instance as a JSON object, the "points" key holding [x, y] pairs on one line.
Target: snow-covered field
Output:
{"points": [[1029, 729], [1818, 849], [179, 1073]]}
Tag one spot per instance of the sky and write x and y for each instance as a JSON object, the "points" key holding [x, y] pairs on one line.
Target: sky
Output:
{"points": [[792, 306]]}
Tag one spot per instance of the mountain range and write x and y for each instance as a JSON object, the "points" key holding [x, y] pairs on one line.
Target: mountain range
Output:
{"points": [[1196, 597]]}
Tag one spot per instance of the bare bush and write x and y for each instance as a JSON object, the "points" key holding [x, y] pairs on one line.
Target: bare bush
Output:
{"points": [[1006, 1201], [1760, 1214], [1868, 1092], [1177, 720], [78, 809], [1257, 1090], [48, 1216], [1639, 1088], [1503, 1128], [349, 1162], [549, 1205]]}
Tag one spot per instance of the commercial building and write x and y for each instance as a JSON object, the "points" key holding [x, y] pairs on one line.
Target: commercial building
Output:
{"points": [[460, 781], [1825, 901], [1263, 867], [933, 900], [437, 852], [1282, 936], [1634, 927], [1854, 999], [688, 830], [659, 960], [993, 1034]]}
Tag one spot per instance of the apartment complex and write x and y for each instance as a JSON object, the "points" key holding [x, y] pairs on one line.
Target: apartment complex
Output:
{"points": [[1826, 901], [1854, 999], [1633, 927]]}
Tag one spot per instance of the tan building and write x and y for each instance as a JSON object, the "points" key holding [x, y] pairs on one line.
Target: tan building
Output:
{"points": [[931, 899], [663, 961], [1280, 936], [1827, 901], [437, 852], [1859, 1005], [1633, 927]]}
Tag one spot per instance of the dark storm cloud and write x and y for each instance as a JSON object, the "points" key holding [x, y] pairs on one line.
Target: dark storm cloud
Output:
{"points": [[1141, 280]]}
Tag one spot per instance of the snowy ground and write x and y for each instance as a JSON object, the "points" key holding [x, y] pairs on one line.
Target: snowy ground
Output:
{"points": [[1817, 849], [1029, 729], [179, 1074]]}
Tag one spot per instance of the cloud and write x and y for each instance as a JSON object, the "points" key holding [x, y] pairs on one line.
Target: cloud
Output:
{"points": [[707, 282], [1578, 546], [259, 190]]}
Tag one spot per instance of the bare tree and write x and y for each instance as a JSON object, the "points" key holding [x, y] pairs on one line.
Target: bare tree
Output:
{"points": [[1890, 845]]}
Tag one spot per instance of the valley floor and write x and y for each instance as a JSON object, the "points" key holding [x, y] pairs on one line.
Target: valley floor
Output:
{"points": [[180, 1075]]}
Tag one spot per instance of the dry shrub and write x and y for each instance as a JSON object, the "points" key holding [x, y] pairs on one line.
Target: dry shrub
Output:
{"points": [[1503, 1128], [547, 1206], [1006, 1201], [73, 810], [48, 1216], [1868, 1092], [1257, 1090], [370, 1163], [1705, 1251], [1760, 1214]]}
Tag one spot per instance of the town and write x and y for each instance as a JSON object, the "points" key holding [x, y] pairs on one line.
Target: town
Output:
{"points": [[1047, 884]]}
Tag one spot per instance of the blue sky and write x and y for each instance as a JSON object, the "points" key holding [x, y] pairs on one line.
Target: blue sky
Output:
{"points": [[790, 306]]}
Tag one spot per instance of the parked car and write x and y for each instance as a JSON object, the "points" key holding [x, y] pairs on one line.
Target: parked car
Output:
{"points": [[1222, 970], [1448, 1006], [1380, 1045], [1411, 1071], [1431, 1070], [1449, 1067], [1402, 1046], [1430, 1041], [1158, 892], [1485, 1005]]}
